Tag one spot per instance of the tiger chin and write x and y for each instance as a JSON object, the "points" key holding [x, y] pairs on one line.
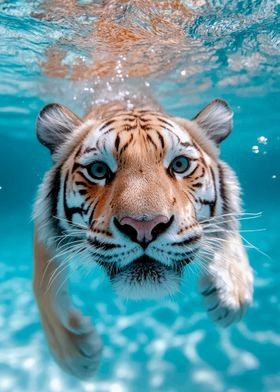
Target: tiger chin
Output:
{"points": [[143, 195]]}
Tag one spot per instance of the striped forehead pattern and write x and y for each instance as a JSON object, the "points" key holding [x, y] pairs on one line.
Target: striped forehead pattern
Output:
{"points": [[142, 130]]}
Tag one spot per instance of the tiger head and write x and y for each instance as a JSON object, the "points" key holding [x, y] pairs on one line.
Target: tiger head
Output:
{"points": [[135, 192]]}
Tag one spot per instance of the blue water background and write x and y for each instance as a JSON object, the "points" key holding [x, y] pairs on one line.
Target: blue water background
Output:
{"points": [[165, 345]]}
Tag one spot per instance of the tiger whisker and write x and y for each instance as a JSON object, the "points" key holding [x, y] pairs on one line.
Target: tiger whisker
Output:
{"points": [[249, 215], [83, 251], [65, 264], [68, 241], [231, 231], [225, 221], [73, 233], [220, 241], [70, 249], [65, 248], [252, 246], [49, 262], [61, 268], [76, 225], [255, 247]]}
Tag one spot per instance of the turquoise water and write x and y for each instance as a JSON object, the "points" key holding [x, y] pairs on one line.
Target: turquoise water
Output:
{"points": [[229, 50]]}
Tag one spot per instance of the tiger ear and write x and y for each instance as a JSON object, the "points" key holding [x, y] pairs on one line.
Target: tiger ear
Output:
{"points": [[54, 125], [215, 120]]}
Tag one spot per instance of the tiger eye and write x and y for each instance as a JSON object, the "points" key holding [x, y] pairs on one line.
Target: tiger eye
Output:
{"points": [[98, 170], [180, 164]]}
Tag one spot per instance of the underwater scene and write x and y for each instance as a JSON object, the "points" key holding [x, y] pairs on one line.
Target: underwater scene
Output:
{"points": [[181, 54]]}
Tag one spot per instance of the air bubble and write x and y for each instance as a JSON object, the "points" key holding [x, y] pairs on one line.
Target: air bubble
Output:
{"points": [[262, 140]]}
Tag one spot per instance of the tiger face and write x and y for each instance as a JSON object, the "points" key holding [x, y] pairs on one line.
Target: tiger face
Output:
{"points": [[132, 192]]}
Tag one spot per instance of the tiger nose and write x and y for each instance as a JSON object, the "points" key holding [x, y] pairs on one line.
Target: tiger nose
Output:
{"points": [[143, 230]]}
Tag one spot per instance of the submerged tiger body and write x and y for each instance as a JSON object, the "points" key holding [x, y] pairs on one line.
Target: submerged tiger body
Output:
{"points": [[142, 194]]}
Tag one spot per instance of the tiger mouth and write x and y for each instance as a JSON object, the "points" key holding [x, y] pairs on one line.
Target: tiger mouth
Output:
{"points": [[145, 278], [145, 268]]}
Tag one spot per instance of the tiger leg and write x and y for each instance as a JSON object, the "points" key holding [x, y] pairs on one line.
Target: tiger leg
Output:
{"points": [[227, 287], [72, 340]]}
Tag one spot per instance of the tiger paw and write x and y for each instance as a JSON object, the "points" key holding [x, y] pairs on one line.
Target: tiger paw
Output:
{"points": [[77, 347], [227, 295]]}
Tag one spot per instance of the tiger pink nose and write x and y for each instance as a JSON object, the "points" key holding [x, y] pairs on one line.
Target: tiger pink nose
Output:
{"points": [[142, 230]]}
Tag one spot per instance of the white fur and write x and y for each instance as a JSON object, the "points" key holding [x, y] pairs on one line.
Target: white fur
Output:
{"points": [[147, 290]]}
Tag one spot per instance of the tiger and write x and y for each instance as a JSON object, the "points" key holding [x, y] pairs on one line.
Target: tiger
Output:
{"points": [[143, 195]]}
